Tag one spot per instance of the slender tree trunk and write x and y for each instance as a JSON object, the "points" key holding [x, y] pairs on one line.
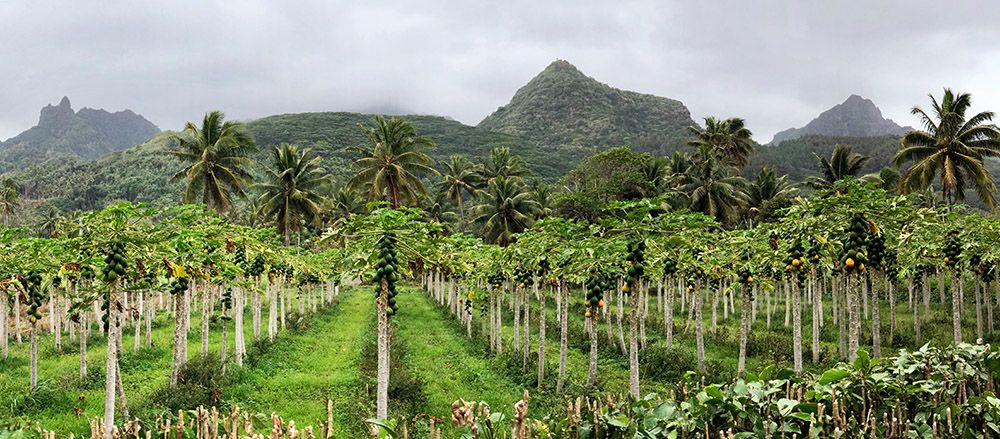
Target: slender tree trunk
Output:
{"points": [[272, 311], [987, 300], [255, 312], [876, 318], [223, 341], [111, 371], [563, 335], [205, 319], [592, 332], [917, 317], [699, 330], [83, 347], [541, 339], [796, 323], [515, 299], [620, 306], [382, 395], [891, 287], [138, 324], [741, 365], [4, 312], [668, 309], [17, 318], [956, 307], [180, 338], [979, 309], [853, 310], [33, 381], [238, 325], [526, 352], [633, 341], [817, 311]]}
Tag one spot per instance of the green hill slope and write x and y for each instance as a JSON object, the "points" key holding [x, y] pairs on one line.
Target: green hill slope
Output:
{"points": [[562, 106]]}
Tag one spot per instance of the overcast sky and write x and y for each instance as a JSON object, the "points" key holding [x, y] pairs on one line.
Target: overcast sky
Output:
{"points": [[776, 64]]}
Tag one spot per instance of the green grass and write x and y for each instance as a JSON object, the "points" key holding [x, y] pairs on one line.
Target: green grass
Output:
{"points": [[292, 377], [450, 365], [434, 363]]}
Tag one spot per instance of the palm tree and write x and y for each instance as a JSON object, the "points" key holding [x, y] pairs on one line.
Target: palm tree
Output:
{"points": [[657, 173], [506, 208], [768, 186], [48, 222], [290, 194], [844, 162], [541, 192], [460, 177], [766, 193], [438, 209], [218, 162], [10, 198], [390, 165], [729, 139], [713, 189], [953, 146], [503, 164]]}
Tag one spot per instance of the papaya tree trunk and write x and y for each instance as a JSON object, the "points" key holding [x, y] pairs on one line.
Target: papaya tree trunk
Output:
{"points": [[83, 346], [876, 318], [796, 323], [696, 303], [956, 307], [382, 392], [180, 338], [741, 365], [563, 335], [633, 340], [541, 338], [33, 373], [111, 372]]}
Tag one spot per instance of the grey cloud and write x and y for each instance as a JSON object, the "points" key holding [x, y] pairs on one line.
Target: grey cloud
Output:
{"points": [[777, 64]]}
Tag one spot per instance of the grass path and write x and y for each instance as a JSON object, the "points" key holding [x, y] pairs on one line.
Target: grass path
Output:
{"points": [[293, 378], [300, 373], [450, 366]]}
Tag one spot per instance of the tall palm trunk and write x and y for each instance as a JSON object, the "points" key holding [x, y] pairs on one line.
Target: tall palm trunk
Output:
{"points": [[382, 392]]}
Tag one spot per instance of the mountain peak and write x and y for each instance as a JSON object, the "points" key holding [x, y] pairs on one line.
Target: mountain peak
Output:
{"points": [[87, 134], [855, 117], [560, 65], [563, 106], [56, 114]]}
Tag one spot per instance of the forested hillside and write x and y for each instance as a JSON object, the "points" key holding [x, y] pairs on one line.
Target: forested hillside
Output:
{"points": [[563, 106], [63, 134]]}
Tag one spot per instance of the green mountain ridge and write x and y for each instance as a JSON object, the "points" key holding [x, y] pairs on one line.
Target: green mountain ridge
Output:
{"points": [[63, 134], [562, 106]]}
